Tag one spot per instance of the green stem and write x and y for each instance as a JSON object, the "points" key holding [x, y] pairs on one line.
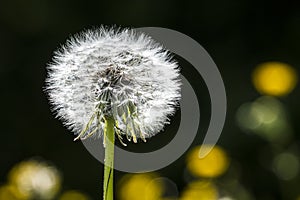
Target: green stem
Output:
{"points": [[109, 138]]}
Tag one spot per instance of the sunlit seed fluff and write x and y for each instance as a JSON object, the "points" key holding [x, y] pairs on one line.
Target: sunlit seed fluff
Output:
{"points": [[118, 73]]}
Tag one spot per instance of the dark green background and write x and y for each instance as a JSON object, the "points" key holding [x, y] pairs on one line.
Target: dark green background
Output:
{"points": [[238, 34]]}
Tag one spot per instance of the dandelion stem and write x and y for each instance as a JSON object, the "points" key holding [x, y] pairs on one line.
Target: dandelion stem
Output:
{"points": [[109, 159]]}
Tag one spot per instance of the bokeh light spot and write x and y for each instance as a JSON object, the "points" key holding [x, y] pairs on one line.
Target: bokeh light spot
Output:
{"points": [[286, 166], [226, 198], [140, 187], [212, 165], [274, 78], [170, 190], [35, 179], [203, 190], [266, 117], [11, 192]]}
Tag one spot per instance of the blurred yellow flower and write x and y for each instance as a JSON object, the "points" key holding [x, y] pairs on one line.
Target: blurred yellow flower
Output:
{"points": [[140, 187], [11, 192], [35, 179], [203, 190], [212, 165], [274, 78]]}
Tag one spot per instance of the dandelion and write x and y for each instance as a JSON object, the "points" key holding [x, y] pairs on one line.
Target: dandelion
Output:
{"points": [[108, 82]]}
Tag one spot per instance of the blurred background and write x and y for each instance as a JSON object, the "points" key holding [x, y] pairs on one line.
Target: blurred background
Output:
{"points": [[255, 45]]}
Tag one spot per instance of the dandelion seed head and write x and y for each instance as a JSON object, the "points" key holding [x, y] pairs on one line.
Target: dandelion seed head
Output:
{"points": [[118, 73]]}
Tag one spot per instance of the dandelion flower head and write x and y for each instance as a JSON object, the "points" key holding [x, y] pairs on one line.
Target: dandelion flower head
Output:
{"points": [[117, 73]]}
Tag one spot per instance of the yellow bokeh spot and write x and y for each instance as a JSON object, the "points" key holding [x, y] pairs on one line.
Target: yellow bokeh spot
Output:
{"points": [[11, 192], [214, 164], [140, 187], [274, 78], [203, 190], [73, 195], [34, 179]]}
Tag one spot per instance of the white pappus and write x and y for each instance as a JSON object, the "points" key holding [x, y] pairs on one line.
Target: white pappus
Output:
{"points": [[113, 72]]}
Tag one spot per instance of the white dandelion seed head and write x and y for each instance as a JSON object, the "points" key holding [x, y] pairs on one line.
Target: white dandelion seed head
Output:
{"points": [[120, 73]]}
